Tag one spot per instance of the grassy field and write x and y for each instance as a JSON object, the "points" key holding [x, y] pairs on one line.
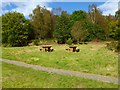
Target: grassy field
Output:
{"points": [[92, 58], [0, 74], [19, 77]]}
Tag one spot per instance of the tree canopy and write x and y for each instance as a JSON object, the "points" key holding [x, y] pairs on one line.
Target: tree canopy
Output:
{"points": [[15, 29], [43, 22], [62, 28], [58, 24]]}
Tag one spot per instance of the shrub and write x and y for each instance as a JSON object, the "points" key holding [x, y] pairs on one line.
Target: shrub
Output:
{"points": [[114, 46], [36, 42], [69, 41]]}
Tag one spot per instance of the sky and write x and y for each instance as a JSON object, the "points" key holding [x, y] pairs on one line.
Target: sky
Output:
{"points": [[26, 6]]}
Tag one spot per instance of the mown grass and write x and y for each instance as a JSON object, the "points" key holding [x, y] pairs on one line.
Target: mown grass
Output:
{"points": [[92, 58], [20, 77]]}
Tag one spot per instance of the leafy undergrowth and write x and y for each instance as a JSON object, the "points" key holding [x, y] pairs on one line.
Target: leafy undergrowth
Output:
{"points": [[20, 77], [92, 58]]}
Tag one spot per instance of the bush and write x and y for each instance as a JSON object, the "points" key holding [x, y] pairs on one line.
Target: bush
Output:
{"points": [[6, 45], [69, 41], [114, 46], [36, 42]]}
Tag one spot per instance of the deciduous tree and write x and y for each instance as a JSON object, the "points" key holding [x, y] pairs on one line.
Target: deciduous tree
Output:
{"points": [[62, 30], [78, 32], [15, 30], [42, 22]]}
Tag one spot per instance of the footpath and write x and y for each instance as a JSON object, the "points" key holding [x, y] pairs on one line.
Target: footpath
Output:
{"points": [[65, 72]]}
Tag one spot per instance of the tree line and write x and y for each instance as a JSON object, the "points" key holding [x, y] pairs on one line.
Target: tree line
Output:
{"points": [[80, 26]]}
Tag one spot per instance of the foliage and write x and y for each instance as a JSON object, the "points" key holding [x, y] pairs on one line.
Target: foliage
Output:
{"points": [[69, 41], [117, 14], [0, 30], [57, 24], [96, 17], [36, 42], [98, 32], [93, 25], [15, 29], [114, 46], [43, 22], [94, 12], [62, 29], [93, 31], [78, 16], [114, 27], [28, 25], [78, 31], [113, 30]]}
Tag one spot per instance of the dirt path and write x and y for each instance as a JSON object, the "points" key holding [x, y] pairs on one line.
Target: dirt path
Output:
{"points": [[67, 72]]}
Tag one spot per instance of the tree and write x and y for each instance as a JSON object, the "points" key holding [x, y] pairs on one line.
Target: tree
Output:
{"points": [[14, 29], [114, 27], [117, 14], [78, 32], [62, 29], [93, 31], [0, 29], [42, 22], [95, 15], [78, 16], [113, 30], [49, 24], [37, 22], [118, 25], [28, 25]]}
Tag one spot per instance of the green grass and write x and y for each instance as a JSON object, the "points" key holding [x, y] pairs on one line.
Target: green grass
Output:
{"points": [[92, 58], [20, 77], [0, 74]]}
